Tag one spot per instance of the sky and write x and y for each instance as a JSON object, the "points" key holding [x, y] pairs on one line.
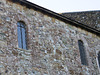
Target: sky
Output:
{"points": [[62, 6]]}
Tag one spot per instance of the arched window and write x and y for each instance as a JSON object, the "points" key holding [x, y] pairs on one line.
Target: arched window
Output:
{"points": [[21, 32], [82, 53], [99, 58]]}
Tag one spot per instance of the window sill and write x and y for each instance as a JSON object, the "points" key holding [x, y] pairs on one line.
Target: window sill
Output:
{"points": [[23, 49]]}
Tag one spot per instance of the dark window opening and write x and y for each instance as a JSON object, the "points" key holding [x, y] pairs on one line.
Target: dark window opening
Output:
{"points": [[82, 53], [21, 31], [99, 58]]}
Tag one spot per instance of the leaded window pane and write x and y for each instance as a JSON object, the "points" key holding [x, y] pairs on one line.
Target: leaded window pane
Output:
{"points": [[24, 38], [82, 53], [99, 59], [21, 35]]}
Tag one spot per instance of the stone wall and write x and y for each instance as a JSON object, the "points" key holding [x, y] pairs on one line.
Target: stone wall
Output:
{"points": [[52, 44]]}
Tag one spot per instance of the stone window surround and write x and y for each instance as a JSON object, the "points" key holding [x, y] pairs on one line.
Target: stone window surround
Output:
{"points": [[22, 19], [86, 50]]}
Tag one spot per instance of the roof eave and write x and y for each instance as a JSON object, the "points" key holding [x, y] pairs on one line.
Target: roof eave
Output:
{"points": [[56, 15]]}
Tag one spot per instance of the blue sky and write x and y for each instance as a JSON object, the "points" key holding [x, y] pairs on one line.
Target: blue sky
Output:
{"points": [[61, 6]]}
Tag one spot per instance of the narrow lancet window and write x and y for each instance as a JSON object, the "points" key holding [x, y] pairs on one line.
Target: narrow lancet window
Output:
{"points": [[99, 58], [82, 53], [21, 32]]}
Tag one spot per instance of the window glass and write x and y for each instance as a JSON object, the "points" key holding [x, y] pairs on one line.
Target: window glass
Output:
{"points": [[21, 35], [24, 38], [99, 58], [82, 53]]}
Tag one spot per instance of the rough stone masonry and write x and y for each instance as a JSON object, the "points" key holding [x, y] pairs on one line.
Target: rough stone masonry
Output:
{"points": [[52, 45]]}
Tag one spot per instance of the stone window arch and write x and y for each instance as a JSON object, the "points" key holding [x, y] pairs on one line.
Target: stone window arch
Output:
{"points": [[21, 34], [82, 53]]}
